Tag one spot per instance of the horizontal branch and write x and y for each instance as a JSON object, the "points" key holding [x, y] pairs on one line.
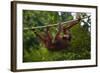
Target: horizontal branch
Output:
{"points": [[52, 25]]}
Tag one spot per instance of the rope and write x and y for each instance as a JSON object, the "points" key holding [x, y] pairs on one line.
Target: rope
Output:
{"points": [[67, 22]]}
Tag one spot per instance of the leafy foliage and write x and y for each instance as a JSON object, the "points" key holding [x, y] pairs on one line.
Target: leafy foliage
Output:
{"points": [[34, 50]]}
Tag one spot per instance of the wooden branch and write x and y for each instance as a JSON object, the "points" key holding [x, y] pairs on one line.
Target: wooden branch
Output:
{"points": [[52, 25]]}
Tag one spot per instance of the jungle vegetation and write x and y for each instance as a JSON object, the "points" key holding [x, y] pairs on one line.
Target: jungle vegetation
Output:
{"points": [[35, 51]]}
